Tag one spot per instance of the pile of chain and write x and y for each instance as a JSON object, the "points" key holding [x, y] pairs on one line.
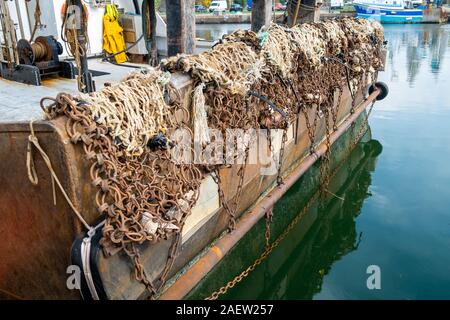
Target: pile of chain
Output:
{"points": [[247, 81], [143, 194], [292, 68]]}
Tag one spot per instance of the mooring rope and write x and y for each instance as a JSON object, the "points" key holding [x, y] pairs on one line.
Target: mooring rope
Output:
{"points": [[32, 174]]}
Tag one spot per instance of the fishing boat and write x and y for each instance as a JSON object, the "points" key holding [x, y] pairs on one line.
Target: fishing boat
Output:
{"points": [[70, 224], [389, 11]]}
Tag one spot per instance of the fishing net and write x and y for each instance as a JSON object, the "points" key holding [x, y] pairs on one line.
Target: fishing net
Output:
{"points": [[248, 80], [122, 131]]}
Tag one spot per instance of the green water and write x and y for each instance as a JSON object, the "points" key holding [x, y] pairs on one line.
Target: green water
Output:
{"points": [[396, 208]]}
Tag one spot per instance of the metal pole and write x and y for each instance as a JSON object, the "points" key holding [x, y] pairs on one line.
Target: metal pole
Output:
{"points": [[9, 35], [86, 76], [310, 11], [19, 17], [297, 9], [261, 14], [196, 272], [149, 30]]}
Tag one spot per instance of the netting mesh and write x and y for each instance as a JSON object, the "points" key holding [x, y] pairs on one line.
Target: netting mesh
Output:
{"points": [[144, 195]]}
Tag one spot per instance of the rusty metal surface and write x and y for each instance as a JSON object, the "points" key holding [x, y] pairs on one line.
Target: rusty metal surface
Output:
{"points": [[180, 27], [36, 234]]}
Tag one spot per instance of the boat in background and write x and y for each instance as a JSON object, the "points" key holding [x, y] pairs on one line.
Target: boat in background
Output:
{"points": [[389, 11]]}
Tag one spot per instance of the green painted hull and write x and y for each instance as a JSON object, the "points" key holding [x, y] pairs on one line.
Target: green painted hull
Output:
{"points": [[326, 215]]}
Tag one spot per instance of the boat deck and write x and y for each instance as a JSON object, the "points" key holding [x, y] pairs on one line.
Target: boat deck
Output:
{"points": [[20, 102]]}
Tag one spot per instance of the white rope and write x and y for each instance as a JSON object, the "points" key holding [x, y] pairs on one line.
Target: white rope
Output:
{"points": [[134, 109], [201, 134], [85, 260]]}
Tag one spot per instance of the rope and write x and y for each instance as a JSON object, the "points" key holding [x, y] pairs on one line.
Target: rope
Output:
{"points": [[70, 36], [297, 9], [201, 134], [37, 20], [32, 174], [234, 66], [121, 108]]}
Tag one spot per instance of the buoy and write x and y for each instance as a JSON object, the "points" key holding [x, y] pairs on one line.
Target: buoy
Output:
{"points": [[380, 86]]}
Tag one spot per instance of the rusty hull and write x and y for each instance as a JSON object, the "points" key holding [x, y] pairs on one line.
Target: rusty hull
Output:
{"points": [[37, 235]]}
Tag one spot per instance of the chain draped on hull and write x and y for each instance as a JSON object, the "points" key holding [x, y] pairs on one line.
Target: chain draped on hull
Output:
{"points": [[247, 81]]}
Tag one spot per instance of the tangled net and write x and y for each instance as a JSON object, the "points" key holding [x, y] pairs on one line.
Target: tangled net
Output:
{"points": [[248, 80], [121, 107], [311, 58], [213, 66]]}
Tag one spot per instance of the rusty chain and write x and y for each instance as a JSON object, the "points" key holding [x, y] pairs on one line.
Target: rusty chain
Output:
{"points": [[269, 247], [144, 195], [130, 187]]}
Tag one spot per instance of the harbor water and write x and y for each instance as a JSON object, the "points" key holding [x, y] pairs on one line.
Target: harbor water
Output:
{"points": [[392, 212]]}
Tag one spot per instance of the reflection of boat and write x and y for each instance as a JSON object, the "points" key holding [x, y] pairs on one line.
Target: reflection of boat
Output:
{"points": [[326, 233], [416, 49], [389, 11], [333, 233]]}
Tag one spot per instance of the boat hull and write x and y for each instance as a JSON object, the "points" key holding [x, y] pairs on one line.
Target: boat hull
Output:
{"points": [[329, 223], [30, 208]]}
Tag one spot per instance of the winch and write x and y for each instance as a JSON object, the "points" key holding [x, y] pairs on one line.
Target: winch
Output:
{"points": [[43, 49], [38, 59], [25, 61], [43, 53]]}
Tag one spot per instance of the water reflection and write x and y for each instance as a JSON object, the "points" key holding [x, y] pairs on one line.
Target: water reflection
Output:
{"points": [[212, 32], [326, 233], [424, 47], [295, 270]]}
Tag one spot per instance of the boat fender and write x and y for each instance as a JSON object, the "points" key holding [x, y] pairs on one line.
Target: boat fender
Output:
{"points": [[84, 254], [380, 86], [374, 147]]}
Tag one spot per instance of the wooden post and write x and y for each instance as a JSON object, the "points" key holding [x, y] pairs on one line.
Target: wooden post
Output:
{"points": [[261, 14], [305, 11], [180, 26]]}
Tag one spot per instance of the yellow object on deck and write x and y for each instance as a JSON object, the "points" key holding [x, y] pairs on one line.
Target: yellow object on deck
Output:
{"points": [[113, 41]]}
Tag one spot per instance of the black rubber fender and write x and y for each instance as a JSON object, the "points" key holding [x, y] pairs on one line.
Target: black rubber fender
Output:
{"points": [[383, 87], [373, 147]]}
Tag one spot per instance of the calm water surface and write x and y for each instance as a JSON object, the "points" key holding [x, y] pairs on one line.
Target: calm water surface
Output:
{"points": [[397, 209], [216, 31], [405, 222]]}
